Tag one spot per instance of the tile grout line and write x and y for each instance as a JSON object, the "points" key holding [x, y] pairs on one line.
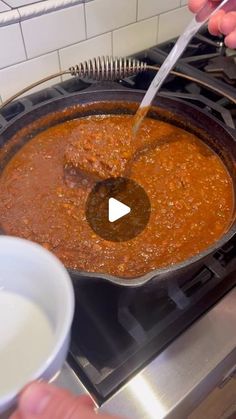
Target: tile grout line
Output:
{"points": [[23, 40], [59, 62], [112, 46], [85, 23], [59, 59], [40, 10], [120, 27], [12, 65], [162, 13], [91, 38], [134, 22], [6, 5], [27, 60], [88, 39], [157, 34], [55, 51], [22, 17], [71, 45]]}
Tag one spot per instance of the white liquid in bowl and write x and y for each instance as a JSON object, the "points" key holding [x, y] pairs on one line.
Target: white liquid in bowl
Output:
{"points": [[26, 339]]}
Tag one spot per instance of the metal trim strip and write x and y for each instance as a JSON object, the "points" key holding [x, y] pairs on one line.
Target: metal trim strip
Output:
{"points": [[37, 9], [177, 380]]}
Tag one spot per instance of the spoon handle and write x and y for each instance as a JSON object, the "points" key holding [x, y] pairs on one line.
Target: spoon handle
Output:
{"points": [[202, 17]]}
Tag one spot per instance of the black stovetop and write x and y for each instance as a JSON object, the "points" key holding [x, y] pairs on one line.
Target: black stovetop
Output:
{"points": [[117, 331]]}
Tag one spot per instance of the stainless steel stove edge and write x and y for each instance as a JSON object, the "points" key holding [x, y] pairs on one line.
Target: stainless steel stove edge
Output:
{"points": [[174, 383]]}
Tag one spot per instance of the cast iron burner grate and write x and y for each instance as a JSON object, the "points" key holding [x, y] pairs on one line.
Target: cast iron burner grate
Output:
{"points": [[117, 331]]}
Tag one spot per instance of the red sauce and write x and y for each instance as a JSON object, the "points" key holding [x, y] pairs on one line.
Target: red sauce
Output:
{"points": [[189, 188]]}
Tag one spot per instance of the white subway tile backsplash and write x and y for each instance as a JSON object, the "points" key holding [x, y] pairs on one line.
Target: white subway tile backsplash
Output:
{"points": [[171, 24], [54, 34], [105, 15], [46, 6], [11, 45], [3, 7], [82, 51], [148, 8], [54, 30], [136, 37], [15, 78]]}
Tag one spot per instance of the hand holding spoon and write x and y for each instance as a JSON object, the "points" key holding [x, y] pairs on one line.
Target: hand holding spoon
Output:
{"points": [[193, 27]]}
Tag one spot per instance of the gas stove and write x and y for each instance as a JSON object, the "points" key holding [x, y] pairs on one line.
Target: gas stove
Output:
{"points": [[148, 353], [156, 353]]}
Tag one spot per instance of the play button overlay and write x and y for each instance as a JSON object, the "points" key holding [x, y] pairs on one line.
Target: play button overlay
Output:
{"points": [[118, 209]]}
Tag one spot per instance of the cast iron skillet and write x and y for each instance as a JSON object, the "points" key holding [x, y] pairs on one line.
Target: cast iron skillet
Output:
{"points": [[209, 129]]}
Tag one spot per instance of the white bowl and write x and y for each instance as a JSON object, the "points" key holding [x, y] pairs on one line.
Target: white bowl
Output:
{"points": [[33, 272]]}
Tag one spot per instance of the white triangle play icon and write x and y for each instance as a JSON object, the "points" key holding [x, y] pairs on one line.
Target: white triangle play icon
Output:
{"points": [[117, 210]]}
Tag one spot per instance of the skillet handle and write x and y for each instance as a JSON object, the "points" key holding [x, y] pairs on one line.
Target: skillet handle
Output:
{"points": [[232, 131]]}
